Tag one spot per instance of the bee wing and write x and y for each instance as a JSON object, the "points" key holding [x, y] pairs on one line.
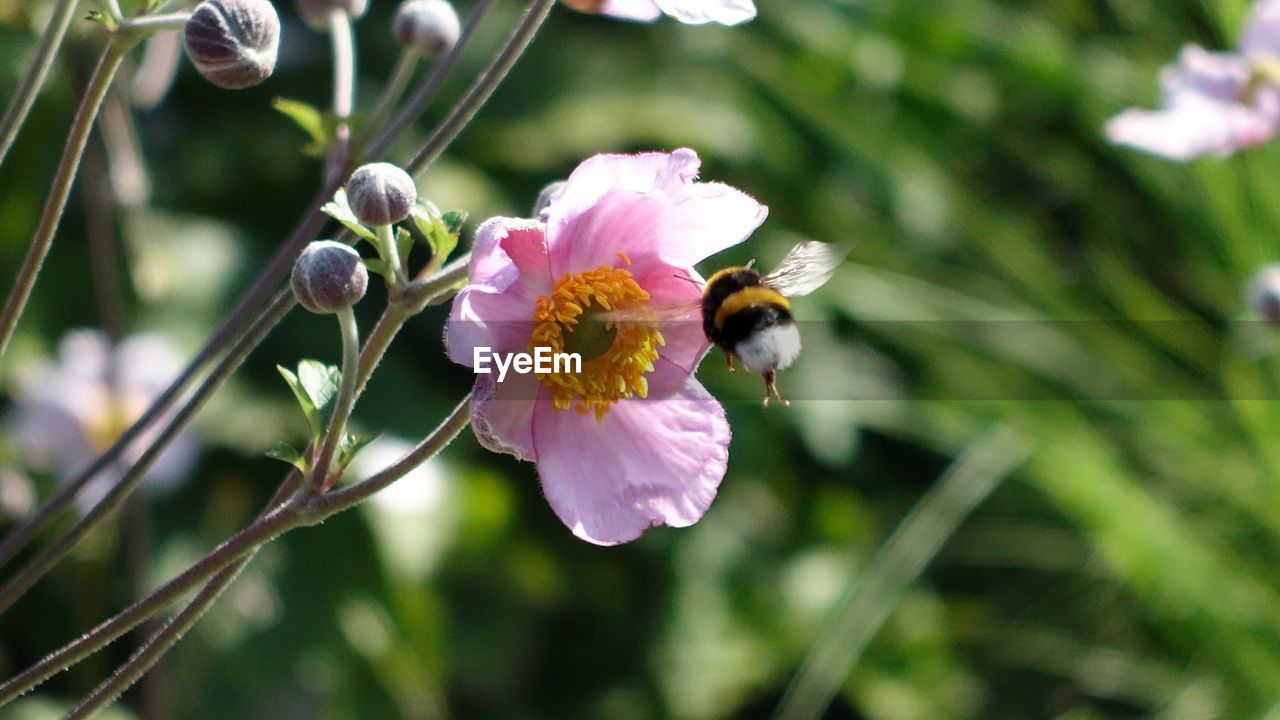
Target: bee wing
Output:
{"points": [[807, 267]]}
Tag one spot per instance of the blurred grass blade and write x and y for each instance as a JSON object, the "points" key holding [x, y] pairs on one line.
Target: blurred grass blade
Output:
{"points": [[872, 597]]}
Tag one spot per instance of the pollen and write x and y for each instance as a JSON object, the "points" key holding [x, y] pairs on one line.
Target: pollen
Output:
{"points": [[609, 372]]}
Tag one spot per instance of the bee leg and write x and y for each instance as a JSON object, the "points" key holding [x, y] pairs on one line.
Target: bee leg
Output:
{"points": [[771, 389], [728, 358]]}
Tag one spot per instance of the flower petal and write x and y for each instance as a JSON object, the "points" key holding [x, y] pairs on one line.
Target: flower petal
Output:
{"points": [[508, 274], [725, 12], [639, 10], [678, 296], [1204, 112], [651, 210], [648, 462], [1261, 34], [601, 174], [507, 250], [502, 413]]}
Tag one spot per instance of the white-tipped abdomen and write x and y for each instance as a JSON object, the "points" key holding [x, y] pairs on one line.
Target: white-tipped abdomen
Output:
{"points": [[773, 348]]}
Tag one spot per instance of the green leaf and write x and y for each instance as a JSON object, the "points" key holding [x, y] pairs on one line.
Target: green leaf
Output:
{"points": [[376, 265], [320, 381], [319, 126], [454, 220], [309, 408], [441, 234], [350, 446], [404, 243], [287, 453], [340, 210]]}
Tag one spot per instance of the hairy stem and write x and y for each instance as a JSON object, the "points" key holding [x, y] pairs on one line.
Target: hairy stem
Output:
{"points": [[322, 506], [395, 87], [299, 510], [46, 559], [160, 642], [391, 256], [484, 85], [342, 404], [61, 190], [275, 519], [427, 88], [46, 49]]}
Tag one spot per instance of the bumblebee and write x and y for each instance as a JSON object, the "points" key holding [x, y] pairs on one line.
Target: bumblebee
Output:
{"points": [[747, 314]]}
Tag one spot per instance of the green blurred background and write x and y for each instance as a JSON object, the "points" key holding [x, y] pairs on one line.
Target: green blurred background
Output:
{"points": [[1010, 269]]}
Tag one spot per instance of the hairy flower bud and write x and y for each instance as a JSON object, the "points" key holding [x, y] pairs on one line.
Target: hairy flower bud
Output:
{"points": [[233, 43], [380, 194], [315, 13], [1263, 293], [329, 277], [429, 28]]}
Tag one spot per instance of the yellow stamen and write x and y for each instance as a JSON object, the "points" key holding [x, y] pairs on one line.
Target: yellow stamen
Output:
{"points": [[614, 374]]}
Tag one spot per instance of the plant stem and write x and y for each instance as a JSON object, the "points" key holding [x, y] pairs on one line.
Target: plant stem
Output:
{"points": [[391, 256], [160, 642], [428, 87], [342, 404], [151, 24], [483, 87], [46, 49], [420, 293], [344, 93], [113, 9], [275, 519], [299, 510], [45, 560], [66, 173], [396, 84], [320, 507]]}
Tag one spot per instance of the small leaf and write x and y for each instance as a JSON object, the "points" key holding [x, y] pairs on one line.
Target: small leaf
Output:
{"points": [[441, 235], [375, 265], [351, 445], [319, 381], [318, 126], [309, 408], [404, 243], [339, 210], [454, 220], [285, 452]]}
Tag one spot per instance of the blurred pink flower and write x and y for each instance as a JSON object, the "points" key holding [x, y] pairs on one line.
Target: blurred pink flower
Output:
{"points": [[634, 440], [66, 412], [1213, 103], [725, 12]]}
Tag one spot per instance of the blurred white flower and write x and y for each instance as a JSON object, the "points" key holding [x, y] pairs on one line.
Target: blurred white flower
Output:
{"points": [[414, 520], [68, 410], [1213, 103]]}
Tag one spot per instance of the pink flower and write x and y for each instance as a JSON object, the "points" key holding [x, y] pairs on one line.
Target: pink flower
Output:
{"points": [[697, 12], [1213, 103], [633, 440]]}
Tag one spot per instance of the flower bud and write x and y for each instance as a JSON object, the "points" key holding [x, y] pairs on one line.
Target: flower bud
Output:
{"points": [[429, 28], [545, 196], [1263, 294], [315, 13], [233, 43], [380, 194], [329, 277]]}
